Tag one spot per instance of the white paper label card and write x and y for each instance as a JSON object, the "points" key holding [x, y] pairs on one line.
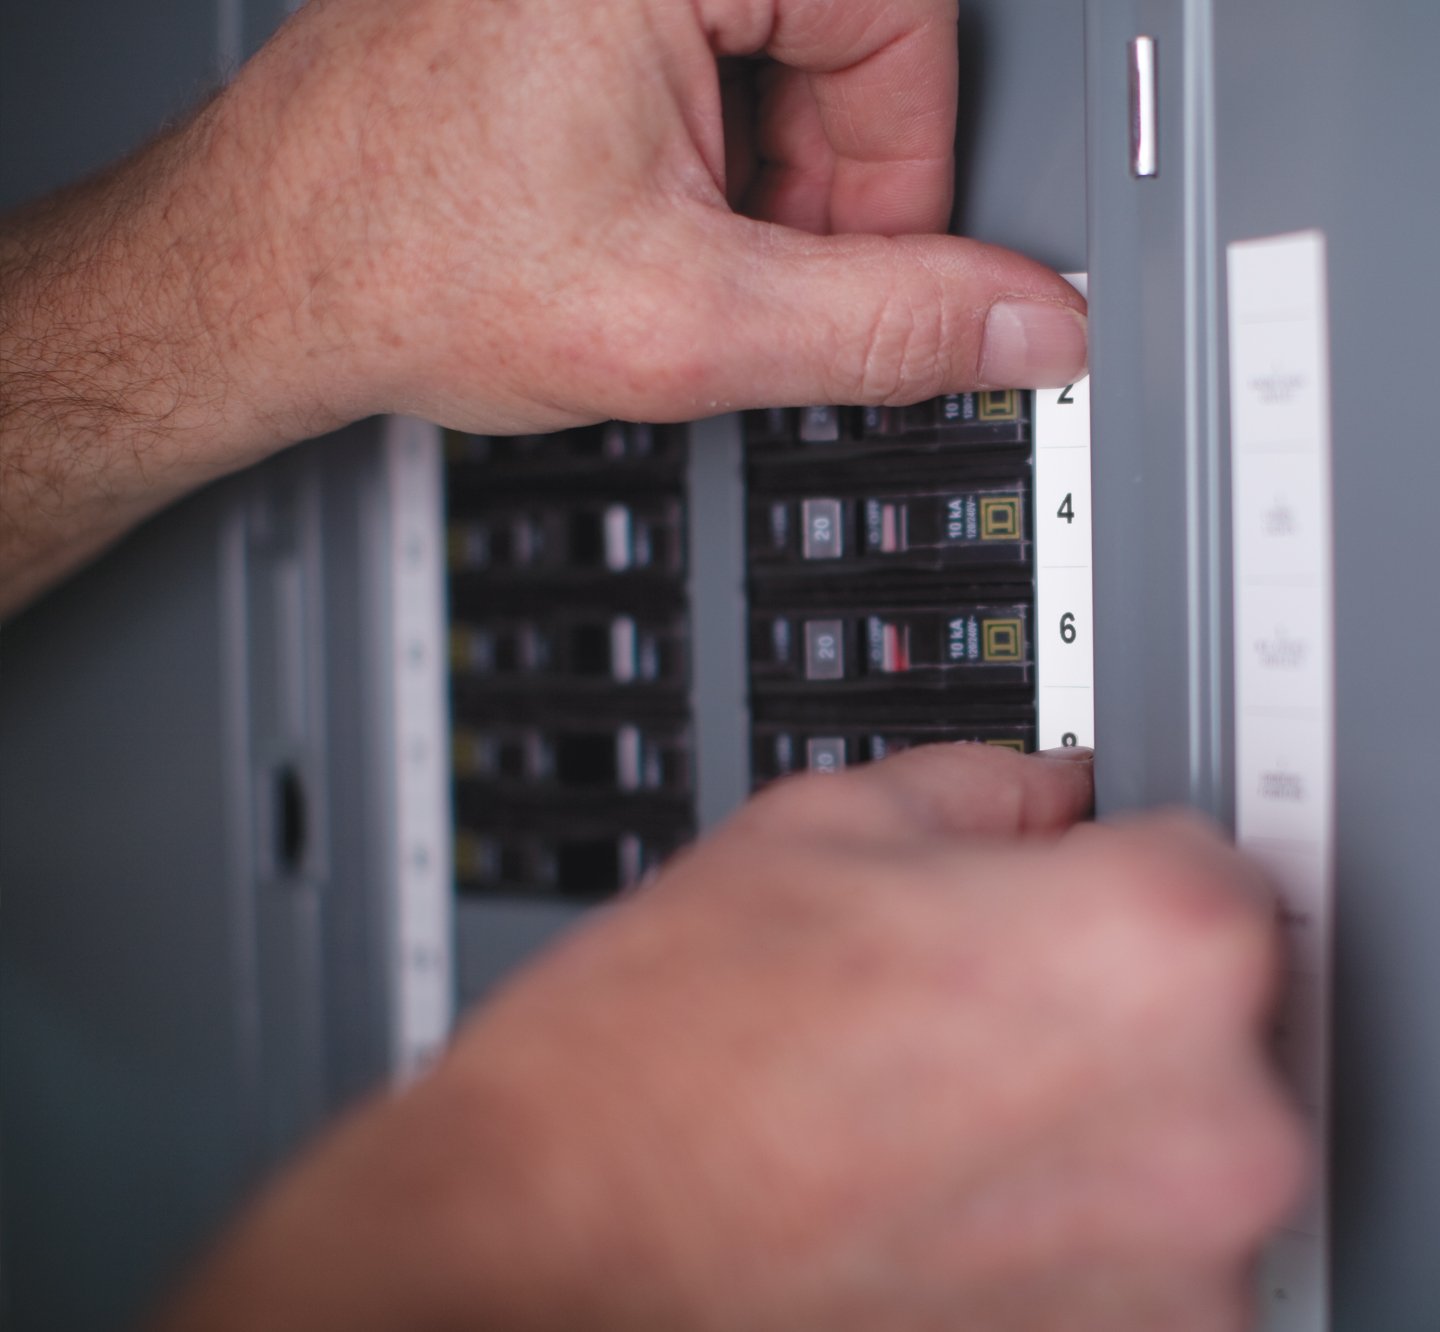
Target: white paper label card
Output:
{"points": [[1282, 525]]}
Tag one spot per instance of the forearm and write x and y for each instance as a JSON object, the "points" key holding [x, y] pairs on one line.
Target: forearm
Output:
{"points": [[506, 219], [430, 1210], [150, 340], [626, 1137]]}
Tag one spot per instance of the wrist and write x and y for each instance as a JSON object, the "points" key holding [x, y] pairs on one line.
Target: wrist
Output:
{"points": [[301, 291], [427, 1211], [149, 306], [265, 302], [156, 332]]}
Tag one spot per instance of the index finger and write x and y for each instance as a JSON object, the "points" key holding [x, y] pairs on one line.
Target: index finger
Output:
{"points": [[883, 74]]}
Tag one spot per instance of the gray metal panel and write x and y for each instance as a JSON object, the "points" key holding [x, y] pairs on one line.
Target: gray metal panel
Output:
{"points": [[1325, 117], [1020, 178], [715, 531], [494, 937], [276, 723], [336, 903], [132, 1069], [1161, 614], [181, 1006], [357, 694], [1321, 115], [84, 81], [129, 1063]]}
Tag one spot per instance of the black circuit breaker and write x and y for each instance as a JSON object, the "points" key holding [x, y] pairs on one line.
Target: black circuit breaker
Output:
{"points": [[569, 644], [890, 579], [889, 602]]}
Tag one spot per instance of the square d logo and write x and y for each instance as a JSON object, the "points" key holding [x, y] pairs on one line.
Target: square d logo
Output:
{"points": [[1000, 518], [1002, 640], [998, 405]]}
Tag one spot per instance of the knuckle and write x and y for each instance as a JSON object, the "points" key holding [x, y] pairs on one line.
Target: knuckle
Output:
{"points": [[902, 356], [1279, 1166], [1176, 946], [1180, 911], [1250, 1177]]}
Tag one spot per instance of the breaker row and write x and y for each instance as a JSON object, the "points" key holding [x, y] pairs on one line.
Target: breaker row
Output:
{"points": [[890, 580], [889, 603], [569, 659]]}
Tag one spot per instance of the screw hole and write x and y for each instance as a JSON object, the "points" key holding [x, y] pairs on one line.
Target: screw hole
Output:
{"points": [[291, 821]]}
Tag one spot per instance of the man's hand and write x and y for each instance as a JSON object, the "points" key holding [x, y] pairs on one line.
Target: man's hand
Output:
{"points": [[543, 191], [505, 217], [892, 1050]]}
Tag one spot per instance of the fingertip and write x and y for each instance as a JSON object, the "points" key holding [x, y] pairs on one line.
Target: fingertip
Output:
{"points": [[1033, 344], [1067, 754], [1066, 790]]}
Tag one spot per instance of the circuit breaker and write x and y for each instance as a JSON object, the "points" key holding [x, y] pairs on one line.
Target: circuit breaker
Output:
{"points": [[891, 584]]}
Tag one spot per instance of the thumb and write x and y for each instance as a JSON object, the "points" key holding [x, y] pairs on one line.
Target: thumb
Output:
{"points": [[855, 319]]}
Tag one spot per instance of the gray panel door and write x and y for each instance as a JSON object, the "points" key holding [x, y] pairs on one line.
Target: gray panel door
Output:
{"points": [[195, 826], [1276, 117], [1325, 116], [1160, 535]]}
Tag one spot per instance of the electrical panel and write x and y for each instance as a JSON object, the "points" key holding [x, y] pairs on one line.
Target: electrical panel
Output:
{"points": [[889, 561], [363, 728]]}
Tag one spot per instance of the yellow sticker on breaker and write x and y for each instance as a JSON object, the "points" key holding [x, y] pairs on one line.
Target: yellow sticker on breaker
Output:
{"points": [[1000, 518], [1003, 639], [998, 405]]}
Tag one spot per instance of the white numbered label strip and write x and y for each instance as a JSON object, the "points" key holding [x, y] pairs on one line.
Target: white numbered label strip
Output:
{"points": [[1064, 596], [1284, 679]]}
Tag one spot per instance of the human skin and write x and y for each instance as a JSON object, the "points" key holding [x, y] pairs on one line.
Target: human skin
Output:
{"points": [[895, 1049], [503, 216]]}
